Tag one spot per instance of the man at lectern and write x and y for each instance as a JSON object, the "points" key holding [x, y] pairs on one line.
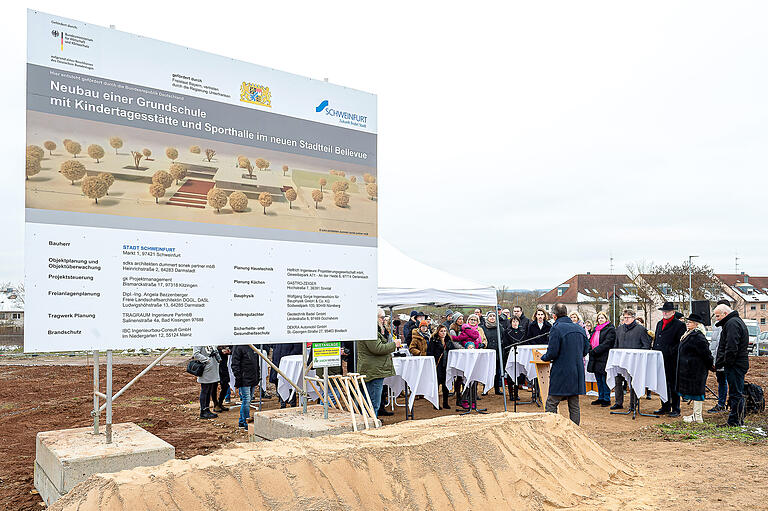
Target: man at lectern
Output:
{"points": [[568, 345]]}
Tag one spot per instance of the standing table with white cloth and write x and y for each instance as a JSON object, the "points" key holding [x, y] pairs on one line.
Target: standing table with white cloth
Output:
{"points": [[525, 366], [415, 375], [477, 365], [643, 369], [291, 366]]}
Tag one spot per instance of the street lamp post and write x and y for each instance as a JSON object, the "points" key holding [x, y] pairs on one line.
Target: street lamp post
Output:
{"points": [[690, 284]]}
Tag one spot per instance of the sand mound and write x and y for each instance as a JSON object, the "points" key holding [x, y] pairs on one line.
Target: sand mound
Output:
{"points": [[498, 461]]}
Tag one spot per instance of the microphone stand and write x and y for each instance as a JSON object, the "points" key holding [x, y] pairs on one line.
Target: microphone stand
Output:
{"points": [[515, 345]]}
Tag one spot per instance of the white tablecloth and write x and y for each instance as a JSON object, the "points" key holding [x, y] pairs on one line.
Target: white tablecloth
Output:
{"points": [[291, 366], [525, 363], [421, 375], [472, 365], [264, 372], [588, 377], [645, 367]]}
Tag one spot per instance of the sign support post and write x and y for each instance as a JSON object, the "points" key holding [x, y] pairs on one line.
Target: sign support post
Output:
{"points": [[95, 392], [108, 427], [325, 393]]}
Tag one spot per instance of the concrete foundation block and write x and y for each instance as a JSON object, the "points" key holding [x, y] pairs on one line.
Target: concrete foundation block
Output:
{"points": [[292, 423], [66, 457]]}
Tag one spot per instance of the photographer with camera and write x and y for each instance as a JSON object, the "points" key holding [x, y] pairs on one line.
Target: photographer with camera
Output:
{"points": [[209, 356]]}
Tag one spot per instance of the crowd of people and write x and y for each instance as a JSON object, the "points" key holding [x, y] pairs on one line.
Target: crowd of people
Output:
{"points": [[688, 357]]}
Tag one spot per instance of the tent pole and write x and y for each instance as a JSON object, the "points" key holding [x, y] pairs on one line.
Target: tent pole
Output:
{"points": [[501, 358]]}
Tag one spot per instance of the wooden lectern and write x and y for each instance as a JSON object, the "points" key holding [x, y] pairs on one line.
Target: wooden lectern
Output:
{"points": [[542, 374]]}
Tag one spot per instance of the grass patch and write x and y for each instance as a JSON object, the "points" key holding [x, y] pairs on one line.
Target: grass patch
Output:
{"points": [[6, 406], [751, 432], [158, 399], [145, 424]]}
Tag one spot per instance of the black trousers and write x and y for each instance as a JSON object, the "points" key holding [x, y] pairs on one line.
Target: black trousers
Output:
{"points": [[206, 391], [670, 372]]}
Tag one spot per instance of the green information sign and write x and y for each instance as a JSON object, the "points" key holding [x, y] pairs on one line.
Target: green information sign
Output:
{"points": [[326, 354]]}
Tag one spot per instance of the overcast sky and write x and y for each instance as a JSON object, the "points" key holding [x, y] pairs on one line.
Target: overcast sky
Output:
{"points": [[517, 145]]}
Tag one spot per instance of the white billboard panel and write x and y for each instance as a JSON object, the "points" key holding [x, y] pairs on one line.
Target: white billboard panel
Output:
{"points": [[175, 198]]}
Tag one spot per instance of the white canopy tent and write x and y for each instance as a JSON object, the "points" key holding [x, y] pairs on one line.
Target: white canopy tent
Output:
{"points": [[405, 282]]}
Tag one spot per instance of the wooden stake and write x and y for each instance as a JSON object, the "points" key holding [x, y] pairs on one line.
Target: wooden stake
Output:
{"points": [[358, 396], [368, 397], [351, 409]]}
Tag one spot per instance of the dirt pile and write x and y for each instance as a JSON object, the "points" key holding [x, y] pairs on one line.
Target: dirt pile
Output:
{"points": [[496, 461]]}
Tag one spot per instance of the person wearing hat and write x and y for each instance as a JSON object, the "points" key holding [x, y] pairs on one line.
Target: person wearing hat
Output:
{"points": [[668, 333], [448, 318], [412, 324], [693, 363], [419, 339]]}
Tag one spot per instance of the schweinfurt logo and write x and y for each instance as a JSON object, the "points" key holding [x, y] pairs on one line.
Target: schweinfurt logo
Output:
{"points": [[255, 94], [344, 117]]}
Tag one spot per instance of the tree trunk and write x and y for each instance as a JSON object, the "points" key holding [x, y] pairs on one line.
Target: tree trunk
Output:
{"points": [[97, 200], [265, 211], [157, 201]]}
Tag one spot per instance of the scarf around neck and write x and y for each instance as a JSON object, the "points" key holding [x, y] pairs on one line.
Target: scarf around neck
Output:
{"points": [[595, 340]]}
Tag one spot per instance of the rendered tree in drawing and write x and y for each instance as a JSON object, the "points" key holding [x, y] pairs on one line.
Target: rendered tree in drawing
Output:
{"points": [[265, 199], [341, 199], [285, 169], [137, 156], [217, 198], [290, 194], [163, 178], [317, 196], [172, 153], [94, 188], [108, 178], [261, 163], [238, 201], [340, 186], [36, 151], [323, 182], [209, 154], [72, 170], [50, 145], [177, 171], [245, 163], [33, 165], [373, 190], [353, 179], [96, 152], [157, 190], [73, 148], [147, 153], [116, 143], [368, 178], [195, 149]]}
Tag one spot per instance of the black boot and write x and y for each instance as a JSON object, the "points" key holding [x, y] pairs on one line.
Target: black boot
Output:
{"points": [[497, 390]]}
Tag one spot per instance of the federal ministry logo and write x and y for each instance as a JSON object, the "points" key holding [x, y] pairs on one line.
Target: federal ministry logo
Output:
{"points": [[255, 94]]}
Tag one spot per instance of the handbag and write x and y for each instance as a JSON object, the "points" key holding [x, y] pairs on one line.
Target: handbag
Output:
{"points": [[195, 367]]}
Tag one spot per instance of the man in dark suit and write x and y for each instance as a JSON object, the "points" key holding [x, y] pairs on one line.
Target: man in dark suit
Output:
{"points": [[568, 345], [668, 333]]}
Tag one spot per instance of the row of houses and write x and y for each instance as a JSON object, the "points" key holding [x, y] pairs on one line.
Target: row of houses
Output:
{"points": [[591, 293]]}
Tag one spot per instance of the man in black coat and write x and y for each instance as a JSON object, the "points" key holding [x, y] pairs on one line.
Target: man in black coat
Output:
{"points": [[246, 366], [668, 333], [524, 322], [413, 323], [629, 336], [733, 357]]}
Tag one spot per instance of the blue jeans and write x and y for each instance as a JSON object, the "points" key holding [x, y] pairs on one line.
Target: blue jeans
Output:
{"points": [[722, 388], [735, 378], [245, 405], [603, 391], [374, 390]]}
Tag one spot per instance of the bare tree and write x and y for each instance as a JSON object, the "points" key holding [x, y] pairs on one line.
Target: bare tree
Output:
{"points": [[265, 199], [290, 195], [116, 143], [209, 153], [137, 156], [317, 196]]}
